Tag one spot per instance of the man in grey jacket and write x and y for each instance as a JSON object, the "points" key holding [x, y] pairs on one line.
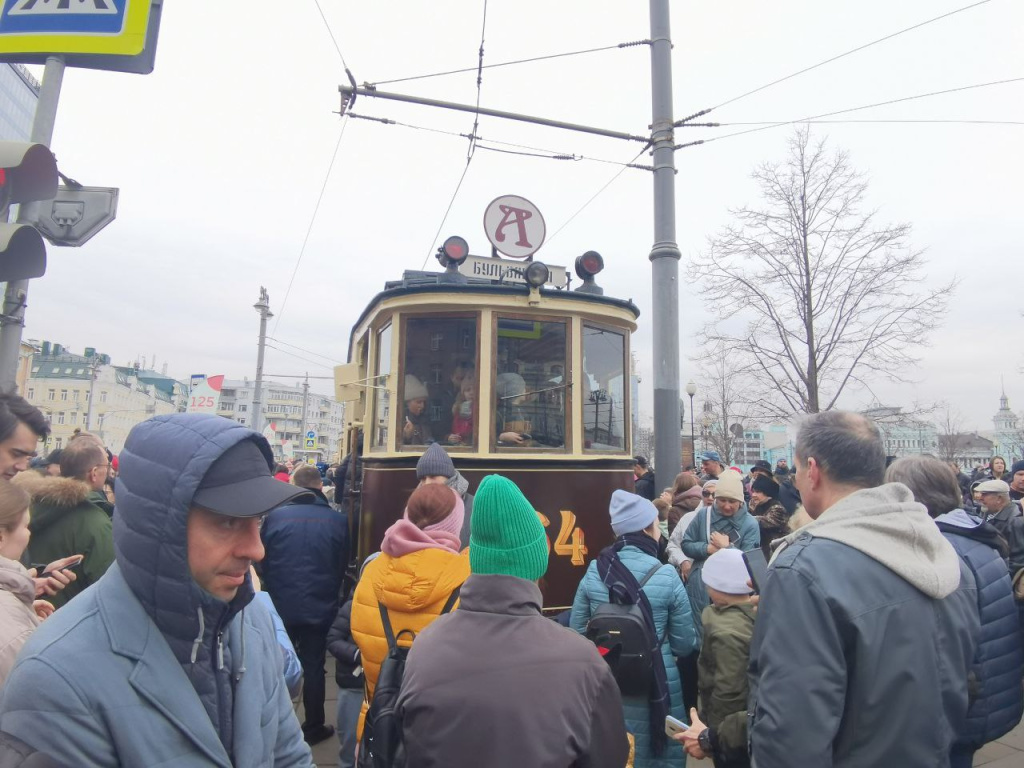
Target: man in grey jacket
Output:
{"points": [[867, 624], [166, 660], [496, 684]]}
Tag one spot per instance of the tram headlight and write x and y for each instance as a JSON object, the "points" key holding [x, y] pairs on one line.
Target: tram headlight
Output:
{"points": [[587, 267], [537, 274], [454, 250]]}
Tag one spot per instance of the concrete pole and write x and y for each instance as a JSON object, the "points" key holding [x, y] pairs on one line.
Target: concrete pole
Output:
{"points": [[263, 307], [664, 253], [16, 295]]}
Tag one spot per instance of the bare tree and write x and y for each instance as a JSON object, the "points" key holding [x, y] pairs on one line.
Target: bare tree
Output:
{"points": [[829, 297], [727, 403], [952, 440]]}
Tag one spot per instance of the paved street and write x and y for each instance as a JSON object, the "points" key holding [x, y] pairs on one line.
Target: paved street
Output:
{"points": [[1008, 752]]}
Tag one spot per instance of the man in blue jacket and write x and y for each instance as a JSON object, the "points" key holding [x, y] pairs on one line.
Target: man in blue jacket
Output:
{"points": [[307, 550], [166, 660], [868, 620]]}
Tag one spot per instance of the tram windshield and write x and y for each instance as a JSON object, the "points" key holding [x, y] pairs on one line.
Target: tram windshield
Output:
{"points": [[530, 384], [604, 360], [440, 385]]}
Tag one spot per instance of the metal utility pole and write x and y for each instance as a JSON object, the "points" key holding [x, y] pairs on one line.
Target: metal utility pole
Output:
{"points": [[12, 319], [263, 308], [665, 253]]}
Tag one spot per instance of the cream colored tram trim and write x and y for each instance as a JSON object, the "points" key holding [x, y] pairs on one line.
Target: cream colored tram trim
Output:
{"points": [[575, 398]]}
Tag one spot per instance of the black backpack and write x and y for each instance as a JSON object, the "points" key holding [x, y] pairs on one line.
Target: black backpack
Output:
{"points": [[381, 745], [626, 642]]}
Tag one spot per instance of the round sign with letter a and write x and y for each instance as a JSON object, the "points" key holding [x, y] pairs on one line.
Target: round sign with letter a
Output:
{"points": [[514, 226]]}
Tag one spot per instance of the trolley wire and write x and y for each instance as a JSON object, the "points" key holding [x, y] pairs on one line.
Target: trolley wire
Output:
{"points": [[899, 100], [331, 33], [597, 194], [845, 122], [509, 63], [298, 357], [312, 220], [472, 139], [302, 349], [851, 52]]}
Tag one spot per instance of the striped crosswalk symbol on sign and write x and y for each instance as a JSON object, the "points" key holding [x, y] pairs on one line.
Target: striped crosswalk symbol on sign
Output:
{"points": [[57, 7]]}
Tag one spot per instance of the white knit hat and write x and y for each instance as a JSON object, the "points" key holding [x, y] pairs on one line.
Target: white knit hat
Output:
{"points": [[730, 486], [414, 389], [726, 572]]}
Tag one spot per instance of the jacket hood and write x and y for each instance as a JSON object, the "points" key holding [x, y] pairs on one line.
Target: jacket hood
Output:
{"points": [[959, 522], [887, 525], [412, 582], [161, 466], [52, 497], [16, 580]]}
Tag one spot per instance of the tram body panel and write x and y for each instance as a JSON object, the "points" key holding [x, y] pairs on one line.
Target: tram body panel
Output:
{"points": [[572, 501]]}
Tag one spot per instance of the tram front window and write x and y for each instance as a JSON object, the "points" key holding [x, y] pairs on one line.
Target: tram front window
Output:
{"points": [[383, 395], [440, 386], [604, 359], [530, 384]]}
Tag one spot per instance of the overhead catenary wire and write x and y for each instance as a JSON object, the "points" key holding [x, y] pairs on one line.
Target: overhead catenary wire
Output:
{"points": [[312, 220], [302, 349], [846, 122], [851, 52], [482, 141], [899, 100], [472, 139], [594, 197], [509, 63]]}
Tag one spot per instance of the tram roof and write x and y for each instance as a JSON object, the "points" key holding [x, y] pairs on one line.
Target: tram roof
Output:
{"points": [[421, 282]]}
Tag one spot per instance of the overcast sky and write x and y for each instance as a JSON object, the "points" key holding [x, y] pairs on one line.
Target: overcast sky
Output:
{"points": [[222, 152]]}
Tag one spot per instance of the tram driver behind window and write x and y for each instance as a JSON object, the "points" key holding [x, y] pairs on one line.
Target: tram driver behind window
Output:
{"points": [[416, 421]]}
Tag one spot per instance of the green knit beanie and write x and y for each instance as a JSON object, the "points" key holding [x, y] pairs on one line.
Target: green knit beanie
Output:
{"points": [[506, 536]]}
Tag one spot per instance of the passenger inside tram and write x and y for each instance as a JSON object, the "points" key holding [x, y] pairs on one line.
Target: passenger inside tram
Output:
{"points": [[530, 385], [439, 359]]}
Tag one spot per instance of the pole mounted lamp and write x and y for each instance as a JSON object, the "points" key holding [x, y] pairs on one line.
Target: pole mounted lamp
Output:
{"points": [[691, 390]]}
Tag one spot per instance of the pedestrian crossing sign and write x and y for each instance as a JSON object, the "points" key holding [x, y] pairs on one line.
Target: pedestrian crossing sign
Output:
{"points": [[310, 443], [112, 27]]}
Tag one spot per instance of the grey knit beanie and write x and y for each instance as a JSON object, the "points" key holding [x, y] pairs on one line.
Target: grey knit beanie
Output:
{"points": [[434, 461]]}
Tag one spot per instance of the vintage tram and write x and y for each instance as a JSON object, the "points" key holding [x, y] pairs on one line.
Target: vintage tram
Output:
{"points": [[511, 376]]}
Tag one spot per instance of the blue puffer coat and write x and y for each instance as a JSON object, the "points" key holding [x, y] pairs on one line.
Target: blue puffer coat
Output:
{"points": [[145, 667], [673, 620], [307, 550], [998, 701], [744, 533]]}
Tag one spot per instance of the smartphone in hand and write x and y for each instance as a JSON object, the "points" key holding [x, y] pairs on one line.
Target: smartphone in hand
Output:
{"points": [[757, 567], [674, 726], [69, 567]]}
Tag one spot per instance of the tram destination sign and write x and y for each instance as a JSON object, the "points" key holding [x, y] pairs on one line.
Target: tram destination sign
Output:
{"points": [[508, 271]]}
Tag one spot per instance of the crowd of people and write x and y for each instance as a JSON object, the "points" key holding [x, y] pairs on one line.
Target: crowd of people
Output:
{"points": [[182, 622]]}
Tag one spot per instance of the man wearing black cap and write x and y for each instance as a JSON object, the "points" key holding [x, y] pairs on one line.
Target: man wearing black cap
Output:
{"points": [[1017, 481], [167, 660], [643, 484]]}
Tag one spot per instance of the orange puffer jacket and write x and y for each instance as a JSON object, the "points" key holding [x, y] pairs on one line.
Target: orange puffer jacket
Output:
{"points": [[414, 588]]}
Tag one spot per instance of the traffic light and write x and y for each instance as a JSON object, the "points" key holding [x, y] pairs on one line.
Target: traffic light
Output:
{"points": [[28, 174]]}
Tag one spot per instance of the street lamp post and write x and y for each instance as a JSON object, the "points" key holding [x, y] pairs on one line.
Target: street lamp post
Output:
{"points": [[691, 390]]}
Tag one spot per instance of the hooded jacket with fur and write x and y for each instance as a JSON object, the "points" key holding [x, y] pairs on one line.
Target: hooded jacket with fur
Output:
{"points": [[66, 521], [865, 638]]}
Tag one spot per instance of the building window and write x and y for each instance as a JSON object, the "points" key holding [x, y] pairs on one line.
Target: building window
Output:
{"points": [[243, 407], [51, 394], [63, 394], [67, 371], [241, 420], [57, 442], [60, 417], [74, 417], [31, 393], [103, 396], [74, 395]]}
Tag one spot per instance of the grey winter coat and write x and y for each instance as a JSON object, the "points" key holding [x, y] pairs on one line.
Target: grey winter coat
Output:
{"points": [[145, 668], [864, 640], [496, 684]]}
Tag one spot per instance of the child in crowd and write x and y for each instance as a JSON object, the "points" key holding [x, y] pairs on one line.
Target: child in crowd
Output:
{"points": [[720, 730]]}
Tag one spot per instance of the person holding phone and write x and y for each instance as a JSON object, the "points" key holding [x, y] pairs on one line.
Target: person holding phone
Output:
{"points": [[20, 611], [725, 524]]}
